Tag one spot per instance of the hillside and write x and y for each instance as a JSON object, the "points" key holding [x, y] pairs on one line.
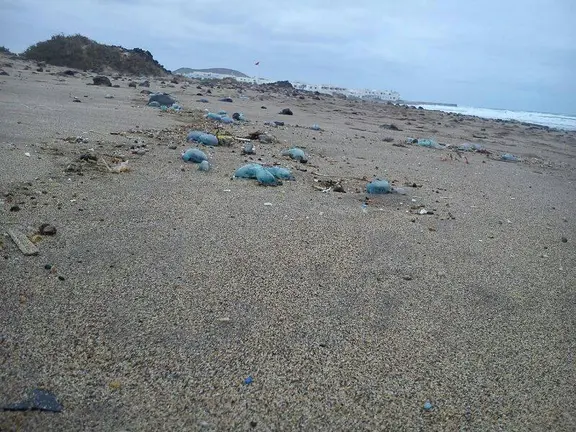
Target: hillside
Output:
{"points": [[222, 71], [81, 52]]}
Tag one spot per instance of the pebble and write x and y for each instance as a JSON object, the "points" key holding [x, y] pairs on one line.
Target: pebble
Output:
{"points": [[47, 229], [407, 277], [15, 208], [564, 240], [427, 405], [61, 278], [48, 266], [248, 380]]}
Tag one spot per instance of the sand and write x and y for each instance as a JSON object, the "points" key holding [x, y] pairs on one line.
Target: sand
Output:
{"points": [[179, 284]]}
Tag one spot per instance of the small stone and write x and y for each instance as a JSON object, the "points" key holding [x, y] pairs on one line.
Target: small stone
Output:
{"points": [[253, 424], [407, 277], [48, 266], [172, 147], [15, 208], [47, 229], [564, 240], [62, 278], [427, 405], [102, 81]]}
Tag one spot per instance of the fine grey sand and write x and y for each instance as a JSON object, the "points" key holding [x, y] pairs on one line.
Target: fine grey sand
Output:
{"points": [[180, 284]]}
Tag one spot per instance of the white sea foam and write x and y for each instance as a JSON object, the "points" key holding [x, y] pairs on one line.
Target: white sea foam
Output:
{"points": [[558, 121]]}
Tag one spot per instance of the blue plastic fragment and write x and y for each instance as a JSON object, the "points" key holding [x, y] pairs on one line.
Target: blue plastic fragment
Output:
{"points": [[194, 155], [378, 187], [248, 380], [427, 405], [227, 120]]}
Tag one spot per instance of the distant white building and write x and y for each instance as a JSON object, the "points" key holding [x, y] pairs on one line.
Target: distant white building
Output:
{"points": [[383, 95]]}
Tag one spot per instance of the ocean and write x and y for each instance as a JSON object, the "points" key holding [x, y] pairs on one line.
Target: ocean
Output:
{"points": [[557, 121]]}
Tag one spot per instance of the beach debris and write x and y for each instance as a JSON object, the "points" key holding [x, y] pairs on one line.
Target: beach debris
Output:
{"points": [[27, 154], [425, 142], [286, 111], [40, 400], [268, 204], [425, 212], [15, 208], [315, 127], [296, 154], [428, 406], [194, 155], [263, 107], [220, 118], [162, 99], [109, 96], [378, 187], [248, 149], [202, 138], [266, 178], [226, 99], [132, 84], [120, 167], [102, 81], [248, 380], [76, 99], [204, 166], [281, 173], [48, 266], [203, 100], [470, 147], [24, 244], [391, 126], [248, 171], [47, 229], [507, 157], [238, 116]]}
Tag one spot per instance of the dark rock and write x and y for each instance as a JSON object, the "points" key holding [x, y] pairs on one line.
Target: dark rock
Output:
{"points": [[236, 116], [162, 82], [3, 72], [132, 84], [146, 92], [391, 127], [116, 86], [278, 123], [407, 277], [226, 99], [62, 278], [286, 111], [40, 70], [564, 240], [174, 80], [40, 400], [47, 229], [68, 72], [41, 64], [301, 97], [209, 91], [145, 83], [199, 94], [15, 208], [263, 107], [102, 81], [48, 266], [162, 99]]}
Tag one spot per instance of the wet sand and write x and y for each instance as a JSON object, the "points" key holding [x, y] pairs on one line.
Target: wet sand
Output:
{"points": [[180, 284]]}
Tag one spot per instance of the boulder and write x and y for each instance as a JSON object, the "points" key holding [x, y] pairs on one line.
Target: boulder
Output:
{"points": [[102, 81]]}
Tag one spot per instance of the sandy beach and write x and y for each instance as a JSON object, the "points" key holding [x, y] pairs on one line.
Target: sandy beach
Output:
{"points": [[169, 287]]}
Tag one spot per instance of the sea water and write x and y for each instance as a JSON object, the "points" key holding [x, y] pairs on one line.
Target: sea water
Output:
{"points": [[557, 121]]}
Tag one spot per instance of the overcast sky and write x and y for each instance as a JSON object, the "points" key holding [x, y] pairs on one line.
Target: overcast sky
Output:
{"points": [[516, 54]]}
